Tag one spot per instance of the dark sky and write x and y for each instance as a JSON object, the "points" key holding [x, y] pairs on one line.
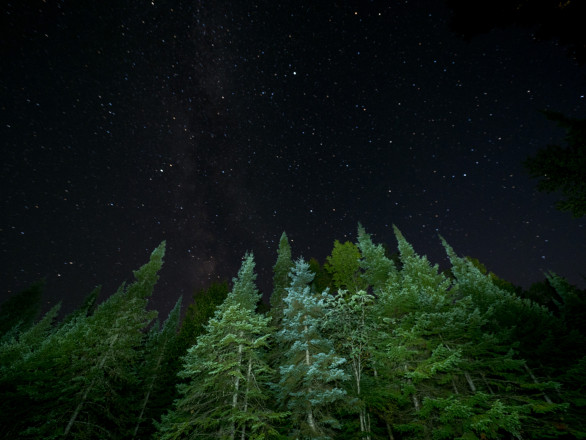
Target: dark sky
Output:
{"points": [[216, 125]]}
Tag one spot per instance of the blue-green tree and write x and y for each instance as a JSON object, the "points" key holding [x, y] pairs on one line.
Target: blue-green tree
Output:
{"points": [[311, 372]]}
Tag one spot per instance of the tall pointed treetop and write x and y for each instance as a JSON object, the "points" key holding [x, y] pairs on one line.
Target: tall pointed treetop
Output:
{"points": [[281, 272], [244, 292], [378, 269]]}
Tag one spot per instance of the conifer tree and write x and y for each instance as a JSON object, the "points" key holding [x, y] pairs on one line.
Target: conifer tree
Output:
{"points": [[90, 362], [351, 325], [280, 279], [312, 371], [509, 382], [156, 372], [417, 289], [378, 270], [20, 310], [205, 302], [344, 265], [17, 368], [225, 394]]}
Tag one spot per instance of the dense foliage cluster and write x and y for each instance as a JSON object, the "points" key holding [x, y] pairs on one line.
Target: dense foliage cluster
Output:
{"points": [[367, 346]]}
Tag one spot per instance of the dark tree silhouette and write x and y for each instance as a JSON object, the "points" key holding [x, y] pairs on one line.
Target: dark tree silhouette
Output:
{"points": [[563, 169]]}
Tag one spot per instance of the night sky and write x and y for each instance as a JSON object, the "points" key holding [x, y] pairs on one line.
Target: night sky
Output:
{"points": [[217, 125]]}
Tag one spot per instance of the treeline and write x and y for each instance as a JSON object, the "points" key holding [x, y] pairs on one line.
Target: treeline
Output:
{"points": [[366, 346]]}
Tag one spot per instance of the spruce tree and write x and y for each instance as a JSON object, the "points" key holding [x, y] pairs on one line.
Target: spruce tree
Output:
{"points": [[311, 372]]}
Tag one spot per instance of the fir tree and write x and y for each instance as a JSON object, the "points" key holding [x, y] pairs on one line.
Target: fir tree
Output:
{"points": [[511, 383]]}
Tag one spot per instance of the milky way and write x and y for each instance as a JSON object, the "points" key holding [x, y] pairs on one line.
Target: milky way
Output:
{"points": [[217, 125]]}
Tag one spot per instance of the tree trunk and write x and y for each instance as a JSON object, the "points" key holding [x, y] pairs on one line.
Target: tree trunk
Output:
{"points": [[248, 376], [414, 396], [310, 420], [236, 387], [470, 382]]}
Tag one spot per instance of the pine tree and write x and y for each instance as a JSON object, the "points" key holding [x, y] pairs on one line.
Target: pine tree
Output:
{"points": [[225, 394], [311, 372]]}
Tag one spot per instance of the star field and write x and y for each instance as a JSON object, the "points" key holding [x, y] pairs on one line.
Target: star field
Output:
{"points": [[217, 125]]}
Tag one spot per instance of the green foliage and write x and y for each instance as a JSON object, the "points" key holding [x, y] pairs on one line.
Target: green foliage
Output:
{"points": [[322, 279], [157, 371], [344, 265], [19, 311], [378, 270], [205, 302], [225, 393], [310, 374], [403, 351], [74, 381], [280, 278]]}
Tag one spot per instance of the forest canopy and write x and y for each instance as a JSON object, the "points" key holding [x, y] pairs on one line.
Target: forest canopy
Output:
{"points": [[368, 345]]}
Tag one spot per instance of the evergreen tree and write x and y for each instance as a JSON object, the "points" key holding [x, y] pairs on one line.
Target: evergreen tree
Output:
{"points": [[90, 361], [344, 265], [322, 279], [157, 370], [563, 169], [280, 279], [19, 312], [205, 302], [351, 325], [17, 355], [378, 270], [507, 322], [225, 394], [311, 372], [86, 309]]}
